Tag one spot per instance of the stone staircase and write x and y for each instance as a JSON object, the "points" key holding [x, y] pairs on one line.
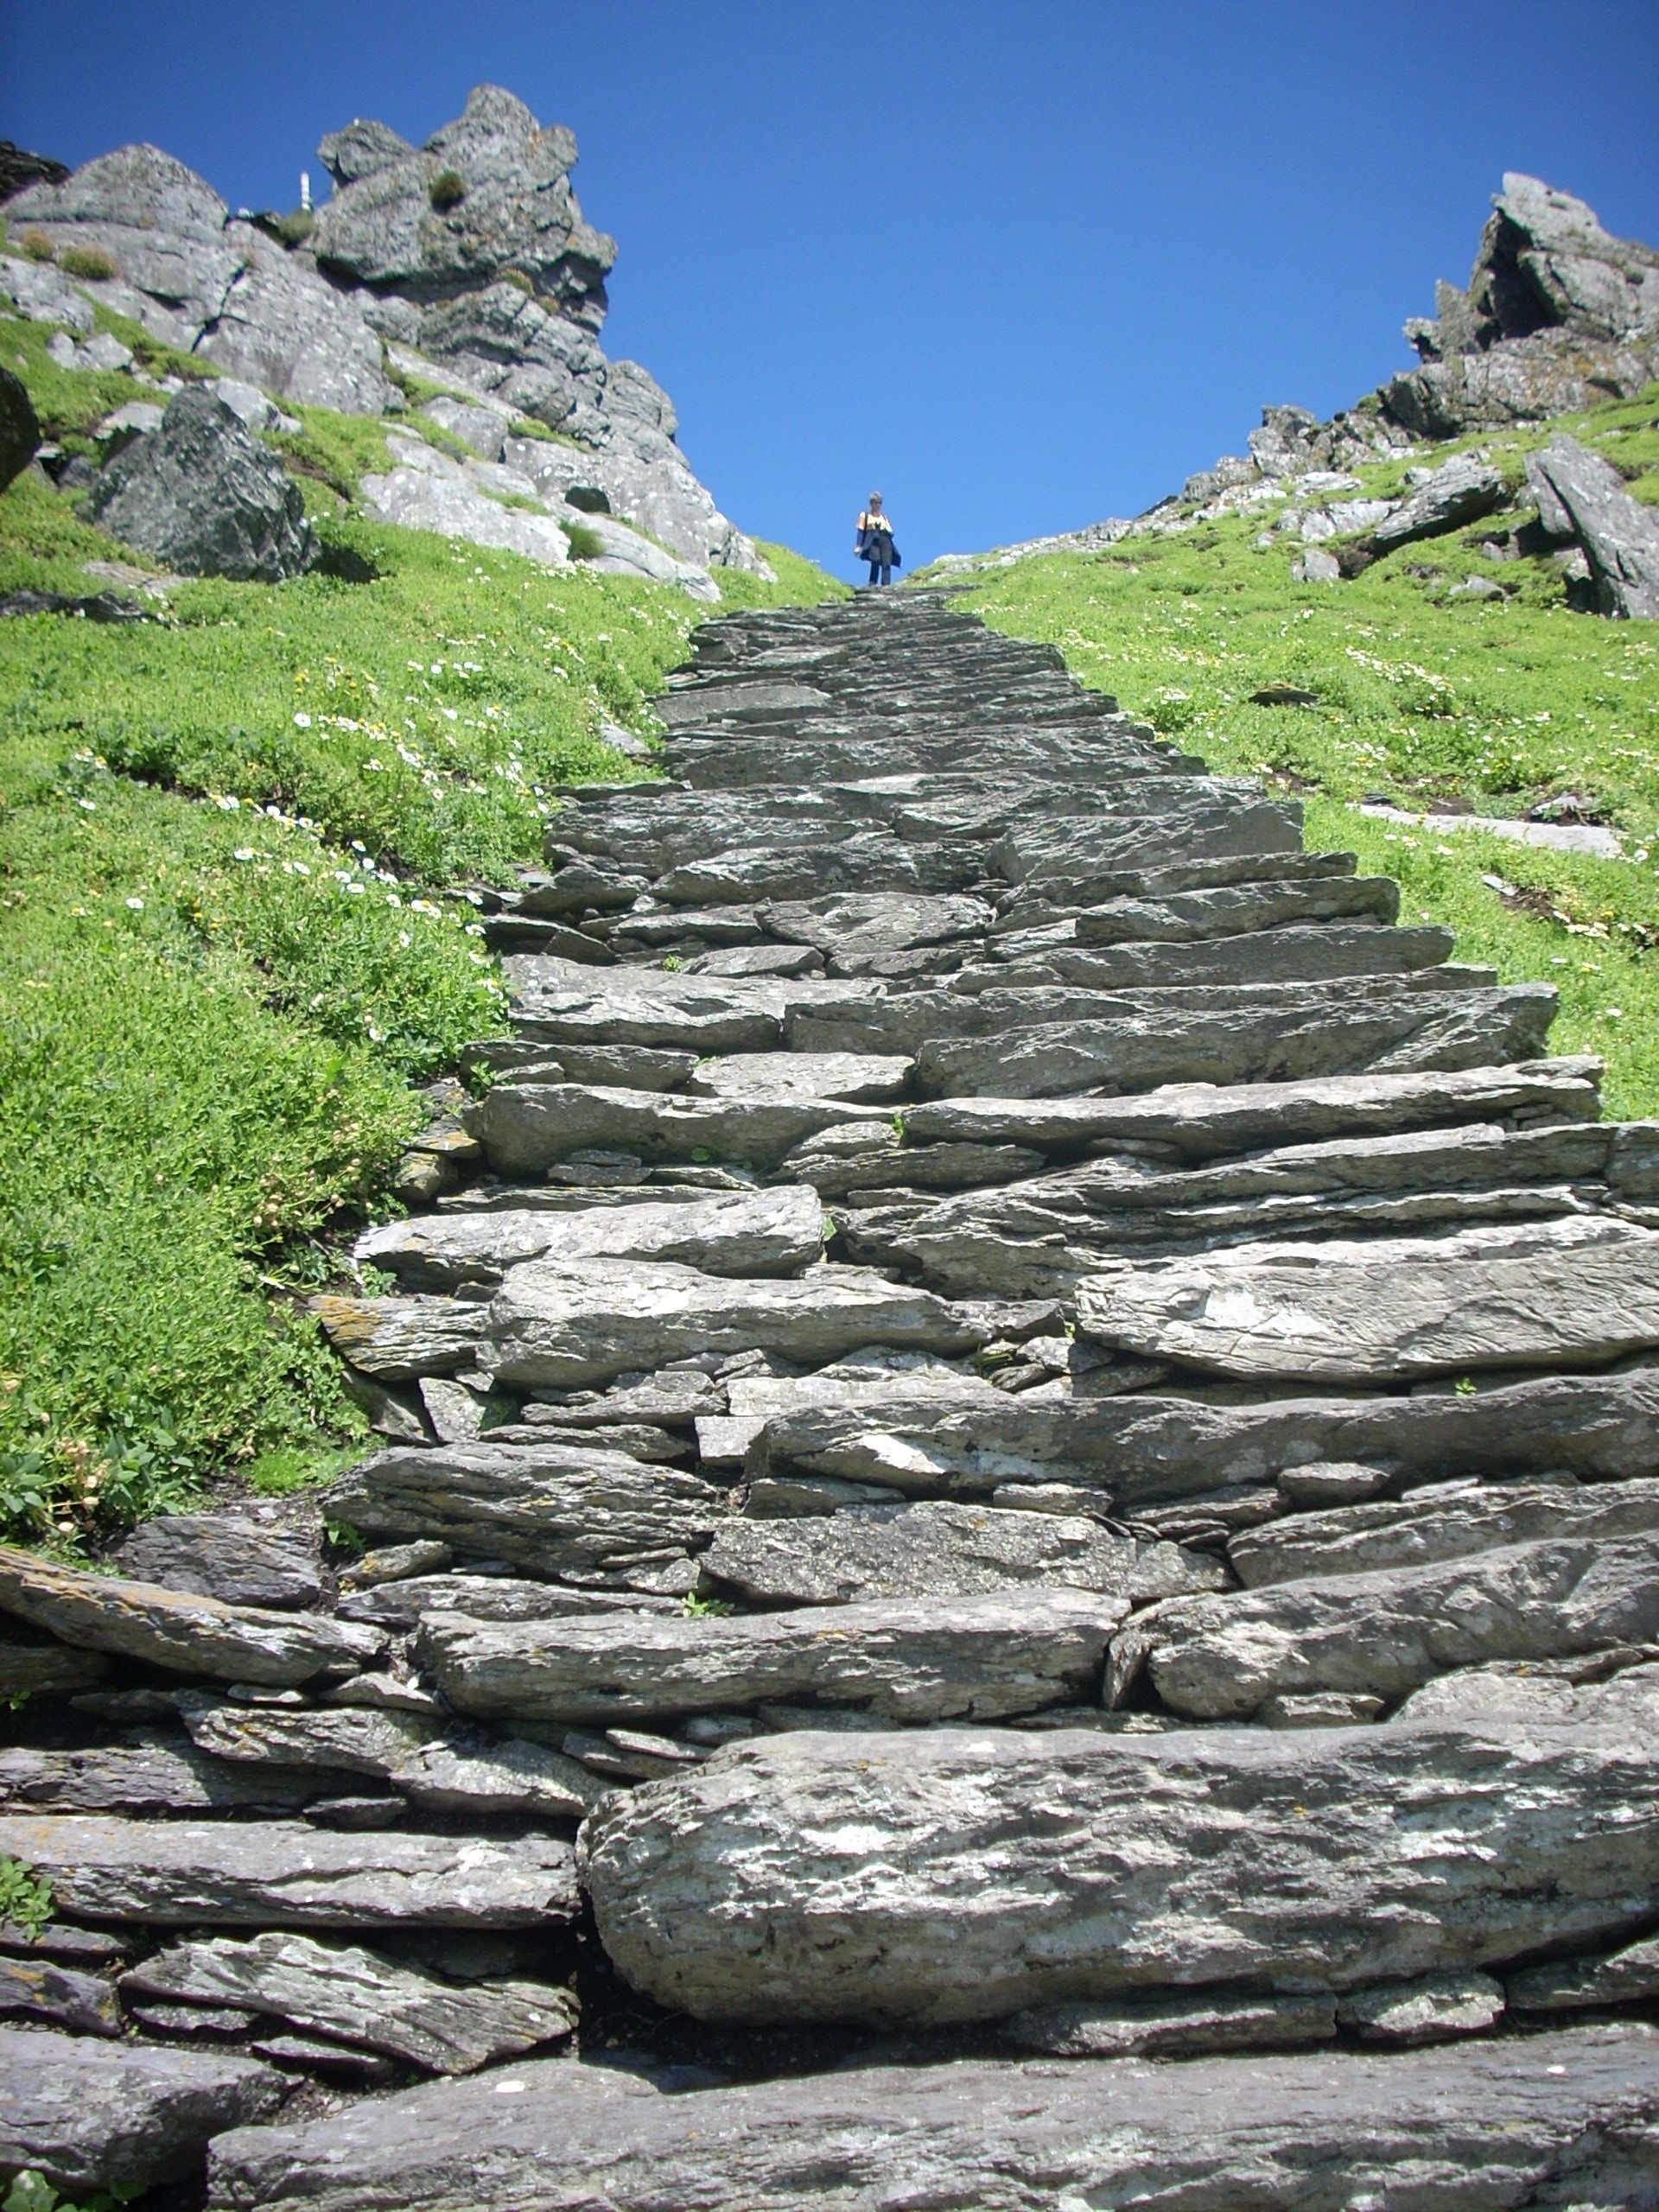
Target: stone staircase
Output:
{"points": [[1043, 1424]]}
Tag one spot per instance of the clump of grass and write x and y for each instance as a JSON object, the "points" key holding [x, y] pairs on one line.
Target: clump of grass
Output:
{"points": [[90, 262], [35, 245], [584, 541], [292, 229], [521, 281], [446, 190]]}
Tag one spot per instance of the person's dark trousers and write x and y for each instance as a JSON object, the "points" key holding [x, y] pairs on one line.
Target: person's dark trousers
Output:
{"points": [[881, 572]]}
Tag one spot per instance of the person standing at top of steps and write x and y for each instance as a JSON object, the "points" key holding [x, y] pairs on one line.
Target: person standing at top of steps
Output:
{"points": [[874, 541]]}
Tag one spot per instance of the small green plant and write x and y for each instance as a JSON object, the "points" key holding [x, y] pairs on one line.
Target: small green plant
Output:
{"points": [[584, 541], [37, 246], [1465, 1386], [898, 1127], [294, 228], [672, 962], [703, 1609], [90, 262], [446, 190], [25, 1897], [520, 280], [343, 1538], [30, 2192]]}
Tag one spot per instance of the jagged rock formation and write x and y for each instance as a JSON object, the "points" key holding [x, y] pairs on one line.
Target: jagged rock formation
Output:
{"points": [[468, 258], [1042, 1428]]}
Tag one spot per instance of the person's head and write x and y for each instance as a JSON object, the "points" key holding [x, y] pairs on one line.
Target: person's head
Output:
{"points": [[875, 502]]}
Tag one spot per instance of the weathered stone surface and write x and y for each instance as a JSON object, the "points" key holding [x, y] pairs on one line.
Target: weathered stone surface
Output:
{"points": [[1173, 2027], [1206, 1121], [853, 931], [205, 498], [123, 2117], [187, 1634], [557, 1003], [591, 1321], [185, 1873], [918, 1660], [771, 1232], [1322, 953], [217, 1555], [1224, 910], [282, 328], [856, 1076], [1304, 2132], [402, 1605], [964, 1874], [943, 1551], [1575, 1293], [1385, 1632], [30, 1670], [1619, 535], [149, 1777], [586, 1513], [435, 1767], [427, 491], [1571, 1985], [40, 1989], [1441, 1522], [1616, 1690], [1431, 2009], [873, 1156], [1136, 1451], [330, 1989], [527, 1127], [1461, 490]]}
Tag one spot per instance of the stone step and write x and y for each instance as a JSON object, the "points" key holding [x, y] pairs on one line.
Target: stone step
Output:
{"points": [[281, 1873], [1290, 954], [966, 1874], [911, 1660], [1304, 2132], [1575, 1293]]}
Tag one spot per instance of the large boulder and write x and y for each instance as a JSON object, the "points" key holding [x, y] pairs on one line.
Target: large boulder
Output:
{"points": [[204, 499], [20, 430], [1582, 495]]}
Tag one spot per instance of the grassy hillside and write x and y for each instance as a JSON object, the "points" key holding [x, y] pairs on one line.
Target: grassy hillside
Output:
{"points": [[1433, 702], [228, 948]]}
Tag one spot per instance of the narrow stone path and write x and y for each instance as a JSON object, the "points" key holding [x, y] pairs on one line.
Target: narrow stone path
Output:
{"points": [[1042, 1423]]}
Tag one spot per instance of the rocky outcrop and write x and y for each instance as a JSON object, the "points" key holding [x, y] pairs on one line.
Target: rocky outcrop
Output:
{"points": [[204, 499], [469, 258], [1582, 497]]}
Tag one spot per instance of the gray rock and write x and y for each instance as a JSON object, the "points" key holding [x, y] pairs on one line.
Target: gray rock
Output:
{"points": [[483, 427], [1572, 1985], [396, 1339], [433, 1767], [917, 1660], [281, 328], [403, 1606], [1225, 910], [427, 491], [746, 1233], [123, 2117], [1173, 2027], [30, 1670], [1431, 2009], [204, 497], [526, 1129], [395, 1563], [1383, 1634], [963, 1874], [147, 1778], [1619, 535], [943, 1551], [1578, 1292], [209, 1873], [1610, 1690], [854, 930], [359, 1997], [20, 431], [1440, 1522], [1460, 490], [40, 1989], [182, 1632], [570, 1510], [1292, 954], [1207, 1121], [590, 1321], [859, 1078], [216, 1556], [1307, 2133], [162, 224], [39, 293]]}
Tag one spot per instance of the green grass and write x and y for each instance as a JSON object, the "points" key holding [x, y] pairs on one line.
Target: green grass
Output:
{"points": [[1422, 700], [230, 942]]}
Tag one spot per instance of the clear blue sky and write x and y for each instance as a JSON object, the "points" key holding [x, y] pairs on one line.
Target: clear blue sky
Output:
{"points": [[1021, 263]]}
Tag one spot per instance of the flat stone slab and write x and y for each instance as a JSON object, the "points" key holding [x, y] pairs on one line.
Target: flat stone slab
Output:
{"points": [[853, 930], [402, 1605], [1316, 953], [1574, 1293], [528, 1128], [1439, 1524], [1385, 1633], [1138, 1451], [940, 1550], [559, 1002], [918, 1660], [1305, 2133], [185, 1873], [858, 1077], [183, 1632], [434, 1766], [1229, 910], [122, 2117], [964, 1874], [1207, 1121], [217, 1555], [149, 1778], [1607, 1691], [772, 1232], [361, 1998], [584, 1324], [560, 1509]]}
